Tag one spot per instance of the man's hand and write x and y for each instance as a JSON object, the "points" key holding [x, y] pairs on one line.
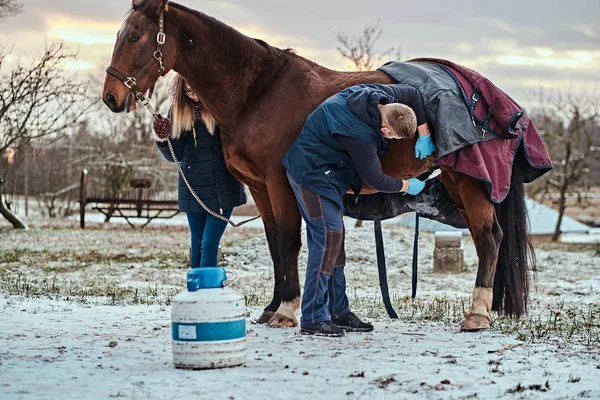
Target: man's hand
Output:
{"points": [[415, 186], [424, 147], [162, 128]]}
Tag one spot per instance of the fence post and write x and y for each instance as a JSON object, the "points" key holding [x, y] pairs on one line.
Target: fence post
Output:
{"points": [[82, 197], [448, 255]]}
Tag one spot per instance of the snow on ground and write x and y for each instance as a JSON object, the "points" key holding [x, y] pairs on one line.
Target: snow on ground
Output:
{"points": [[55, 349], [67, 294]]}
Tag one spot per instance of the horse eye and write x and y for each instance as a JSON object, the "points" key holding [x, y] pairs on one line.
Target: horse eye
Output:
{"points": [[133, 39]]}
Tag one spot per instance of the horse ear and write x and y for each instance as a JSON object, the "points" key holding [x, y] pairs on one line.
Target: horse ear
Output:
{"points": [[147, 6]]}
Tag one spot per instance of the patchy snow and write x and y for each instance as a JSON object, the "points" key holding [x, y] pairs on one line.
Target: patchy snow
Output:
{"points": [[54, 344], [178, 220], [593, 236], [56, 349]]}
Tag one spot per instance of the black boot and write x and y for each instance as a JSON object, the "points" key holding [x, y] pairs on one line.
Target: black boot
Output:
{"points": [[325, 328], [351, 323]]}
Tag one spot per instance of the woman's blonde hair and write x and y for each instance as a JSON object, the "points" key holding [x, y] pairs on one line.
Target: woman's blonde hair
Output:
{"points": [[183, 110]]}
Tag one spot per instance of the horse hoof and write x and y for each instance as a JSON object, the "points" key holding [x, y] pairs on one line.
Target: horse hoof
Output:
{"points": [[281, 321], [476, 323], [285, 317], [265, 317]]}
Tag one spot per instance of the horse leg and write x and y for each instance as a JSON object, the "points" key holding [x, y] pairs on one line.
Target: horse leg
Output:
{"points": [[288, 224], [448, 179], [261, 198], [487, 235]]}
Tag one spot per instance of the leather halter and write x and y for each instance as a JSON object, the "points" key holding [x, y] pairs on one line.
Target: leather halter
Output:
{"points": [[131, 81]]}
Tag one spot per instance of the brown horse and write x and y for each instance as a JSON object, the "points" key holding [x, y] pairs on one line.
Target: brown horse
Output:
{"points": [[261, 97]]}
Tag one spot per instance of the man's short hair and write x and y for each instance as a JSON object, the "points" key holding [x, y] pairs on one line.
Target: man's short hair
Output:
{"points": [[401, 118]]}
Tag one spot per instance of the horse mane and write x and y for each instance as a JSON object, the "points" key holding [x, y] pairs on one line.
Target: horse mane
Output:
{"points": [[273, 51], [129, 12]]}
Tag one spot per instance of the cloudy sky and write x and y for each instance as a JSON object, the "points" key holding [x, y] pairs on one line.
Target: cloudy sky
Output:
{"points": [[520, 45]]}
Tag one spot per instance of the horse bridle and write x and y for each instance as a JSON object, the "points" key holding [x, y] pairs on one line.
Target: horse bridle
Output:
{"points": [[131, 81]]}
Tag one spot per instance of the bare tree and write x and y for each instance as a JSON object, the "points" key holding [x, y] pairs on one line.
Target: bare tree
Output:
{"points": [[362, 54], [571, 129], [361, 50], [9, 8], [39, 101]]}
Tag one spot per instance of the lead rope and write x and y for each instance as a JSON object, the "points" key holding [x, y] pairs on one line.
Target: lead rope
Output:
{"points": [[146, 102], [156, 115]]}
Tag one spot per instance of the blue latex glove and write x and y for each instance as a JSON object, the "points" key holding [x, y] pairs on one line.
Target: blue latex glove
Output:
{"points": [[415, 186], [424, 147]]}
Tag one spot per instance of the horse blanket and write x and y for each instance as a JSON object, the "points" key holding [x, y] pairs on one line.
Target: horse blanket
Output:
{"points": [[478, 128]]}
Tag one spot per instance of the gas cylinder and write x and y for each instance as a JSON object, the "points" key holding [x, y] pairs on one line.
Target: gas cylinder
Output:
{"points": [[208, 322]]}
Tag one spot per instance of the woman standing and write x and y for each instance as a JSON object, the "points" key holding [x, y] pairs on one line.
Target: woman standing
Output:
{"points": [[196, 142]]}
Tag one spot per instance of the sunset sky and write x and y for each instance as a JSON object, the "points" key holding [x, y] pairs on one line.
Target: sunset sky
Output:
{"points": [[520, 45]]}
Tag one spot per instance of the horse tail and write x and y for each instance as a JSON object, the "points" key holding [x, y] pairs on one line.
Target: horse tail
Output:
{"points": [[516, 255]]}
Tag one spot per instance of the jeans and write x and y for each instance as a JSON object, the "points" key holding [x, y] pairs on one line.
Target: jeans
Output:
{"points": [[206, 232], [324, 294]]}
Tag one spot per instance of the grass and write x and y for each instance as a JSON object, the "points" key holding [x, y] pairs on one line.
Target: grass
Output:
{"points": [[437, 309], [557, 323], [38, 264], [41, 258], [86, 289], [575, 247], [14, 255]]}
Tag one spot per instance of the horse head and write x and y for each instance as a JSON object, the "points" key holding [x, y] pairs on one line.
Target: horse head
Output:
{"points": [[142, 54]]}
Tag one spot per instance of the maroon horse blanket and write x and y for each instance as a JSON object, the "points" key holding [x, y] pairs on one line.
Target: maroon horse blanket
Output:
{"points": [[478, 128]]}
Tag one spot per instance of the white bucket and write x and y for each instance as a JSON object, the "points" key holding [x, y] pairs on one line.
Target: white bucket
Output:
{"points": [[208, 322]]}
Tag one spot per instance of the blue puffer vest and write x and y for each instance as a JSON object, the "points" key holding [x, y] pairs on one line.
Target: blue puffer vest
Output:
{"points": [[316, 161], [202, 162]]}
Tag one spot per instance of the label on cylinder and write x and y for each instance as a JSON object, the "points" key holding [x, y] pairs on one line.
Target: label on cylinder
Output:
{"points": [[187, 332], [208, 331]]}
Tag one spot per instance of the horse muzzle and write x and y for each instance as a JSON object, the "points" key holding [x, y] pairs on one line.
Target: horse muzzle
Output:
{"points": [[111, 102]]}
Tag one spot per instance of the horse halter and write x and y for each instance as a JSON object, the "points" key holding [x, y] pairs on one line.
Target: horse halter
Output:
{"points": [[131, 81]]}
